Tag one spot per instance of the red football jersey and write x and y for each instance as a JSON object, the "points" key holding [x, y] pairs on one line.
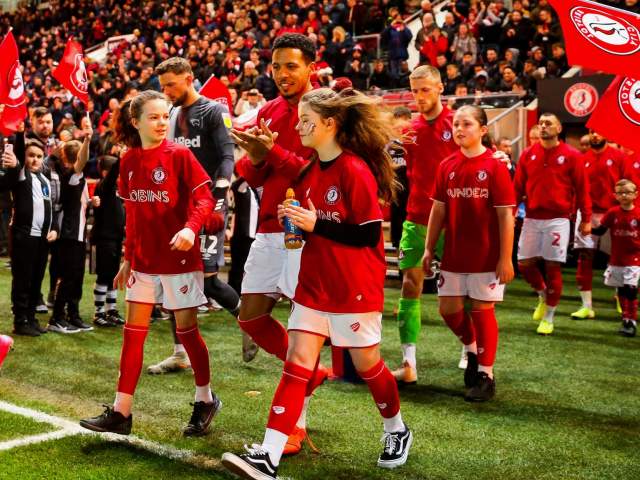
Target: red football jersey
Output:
{"points": [[334, 277], [431, 143], [553, 182], [603, 170], [157, 186], [625, 236], [632, 171], [275, 181], [471, 189]]}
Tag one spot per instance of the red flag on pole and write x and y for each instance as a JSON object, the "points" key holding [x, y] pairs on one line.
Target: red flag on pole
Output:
{"points": [[215, 90], [600, 37], [12, 94], [617, 116], [72, 73]]}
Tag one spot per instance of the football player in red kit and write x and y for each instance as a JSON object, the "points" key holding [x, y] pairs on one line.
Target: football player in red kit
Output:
{"points": [[624, 265], [163, 185], [550, 178], [473, 202], [271, 270], [340, 285], [604, 166]]}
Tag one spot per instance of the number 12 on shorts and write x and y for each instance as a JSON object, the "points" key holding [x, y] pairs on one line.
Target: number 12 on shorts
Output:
{"points": [[208, 246]]}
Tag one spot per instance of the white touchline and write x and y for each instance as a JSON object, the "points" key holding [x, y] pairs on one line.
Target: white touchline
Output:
{"points": [[69, 428]]}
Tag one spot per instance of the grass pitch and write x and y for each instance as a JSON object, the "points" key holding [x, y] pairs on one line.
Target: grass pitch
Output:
{"points": [[567, 405]]}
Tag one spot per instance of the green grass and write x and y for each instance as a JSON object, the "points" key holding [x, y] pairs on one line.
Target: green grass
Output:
{"points": [[14, 426], [567, 406]]}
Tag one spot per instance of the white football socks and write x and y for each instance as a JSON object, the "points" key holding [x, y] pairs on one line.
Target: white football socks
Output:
{"points": [[123, 403], [203, 394], [409, 354], [302, 419], [393, 424], [548, 315], [274, 442], [586, 299]]}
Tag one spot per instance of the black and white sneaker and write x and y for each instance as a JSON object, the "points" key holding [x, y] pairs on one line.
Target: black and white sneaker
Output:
{"points": [[483, 390], [628, 328], [100, 320], [109, 421], [471, 372], [396, 448], [201, 417], [114, 317], [60, 325], [255, 464], [76, 321]]}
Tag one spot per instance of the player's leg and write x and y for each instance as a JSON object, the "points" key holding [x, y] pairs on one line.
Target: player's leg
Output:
{"points": [[529, 253], [586, 246], [21, 267], [39, 255], [409, 311], [114, 252], [459, 321], [118, 419], [262, 460], [629, 292], [486, 327]]}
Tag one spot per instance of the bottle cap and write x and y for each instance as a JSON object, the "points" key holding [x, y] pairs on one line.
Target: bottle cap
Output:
{"points": [[290, 193]]}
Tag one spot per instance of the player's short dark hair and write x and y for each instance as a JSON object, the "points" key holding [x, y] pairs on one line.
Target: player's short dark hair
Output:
{"points": [[34, 143], [175, 65], [40, 112], [297, 41], [106, 162]]}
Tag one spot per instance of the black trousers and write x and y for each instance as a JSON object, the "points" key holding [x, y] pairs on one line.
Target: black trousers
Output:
{"points": [[71, 254], [28, 263], [108, 253], [240, 247]]}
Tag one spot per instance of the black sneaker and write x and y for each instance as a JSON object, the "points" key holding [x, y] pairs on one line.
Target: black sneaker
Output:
{"points": [[628, 329], [60, 325], [24, 328], [396, 448], [471, 372], [109, 421], [77, 322], [255, 464], [35, 324], [483, 390], [100, 320], [114, 317], [201, 417]]}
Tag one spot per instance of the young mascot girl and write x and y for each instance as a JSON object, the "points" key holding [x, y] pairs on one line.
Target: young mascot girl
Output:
{"points": [[473, 202], [340, 284], [167, 201]]}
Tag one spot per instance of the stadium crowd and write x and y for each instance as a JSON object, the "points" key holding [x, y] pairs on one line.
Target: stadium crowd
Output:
{"points": [[479, 48]]}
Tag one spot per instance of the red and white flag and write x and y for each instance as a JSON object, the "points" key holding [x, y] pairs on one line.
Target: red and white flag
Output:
{"points": [[617, 116], [12, 94], [600, 37], [72, 73], [215, 90]]}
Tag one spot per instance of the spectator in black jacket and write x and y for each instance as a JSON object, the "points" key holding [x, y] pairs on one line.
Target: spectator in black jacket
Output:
{"points": [[358, 70], [107, 235], [380, 77]]}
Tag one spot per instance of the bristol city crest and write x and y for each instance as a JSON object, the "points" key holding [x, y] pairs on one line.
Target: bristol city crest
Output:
{"points": [[581, 99], [606, 30], [332, 195], [158, 175], [481, 175], [629, 99], [16, 86], [79, 75]]}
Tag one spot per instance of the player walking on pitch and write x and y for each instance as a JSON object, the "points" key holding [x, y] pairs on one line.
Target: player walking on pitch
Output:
{"points": [[163, 185]]}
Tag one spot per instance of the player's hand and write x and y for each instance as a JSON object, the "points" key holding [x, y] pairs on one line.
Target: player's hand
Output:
{"points": [[183, 240], [95, 201], [585, 228], [122, 277], [504, 271], [301, 217], [52, 236], [9, 160], [257, 142], [427, 258], [502, 157], [281, 214]]}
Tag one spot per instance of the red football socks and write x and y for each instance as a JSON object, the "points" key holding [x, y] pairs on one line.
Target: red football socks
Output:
{"points": [[384, 389], [531, 273], [486, 334], [584, 274], [289, 398], [268, 333], [554, 284], [461, 326], [131, 358], [197, 352]]}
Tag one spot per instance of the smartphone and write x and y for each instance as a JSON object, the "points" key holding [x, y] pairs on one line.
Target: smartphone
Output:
{"points": [[8, 148]]}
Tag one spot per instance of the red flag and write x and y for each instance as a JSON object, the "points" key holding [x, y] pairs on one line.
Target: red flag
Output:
{"points": [[617, 116], [12, 94], [215, 90], [600, 37], [72, 73]]}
